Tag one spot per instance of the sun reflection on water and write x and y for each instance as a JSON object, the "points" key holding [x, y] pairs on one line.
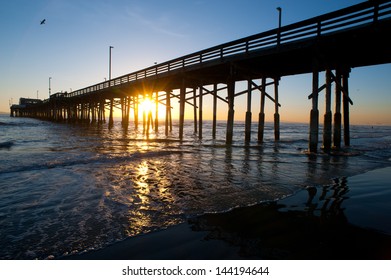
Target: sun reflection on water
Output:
{"points": [[142, 186], [151, 195]]}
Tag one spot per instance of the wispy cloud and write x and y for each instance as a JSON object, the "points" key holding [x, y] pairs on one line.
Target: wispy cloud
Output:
{"points": [[157, 24]]}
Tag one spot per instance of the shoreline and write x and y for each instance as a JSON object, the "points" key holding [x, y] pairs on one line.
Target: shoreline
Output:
{"points": [[343, 220], [178, 242]]}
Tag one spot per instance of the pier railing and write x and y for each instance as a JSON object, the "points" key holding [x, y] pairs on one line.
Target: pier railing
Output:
{"points": [[354, 16]]}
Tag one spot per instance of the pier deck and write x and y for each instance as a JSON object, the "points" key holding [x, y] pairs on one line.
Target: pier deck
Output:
{"points": [[356, 36]]}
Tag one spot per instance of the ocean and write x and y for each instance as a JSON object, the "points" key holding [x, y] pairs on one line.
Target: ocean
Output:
{"points": [[66, 189]]}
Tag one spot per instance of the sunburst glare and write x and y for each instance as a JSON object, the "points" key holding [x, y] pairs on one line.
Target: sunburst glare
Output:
{"points": [[147, 105]]}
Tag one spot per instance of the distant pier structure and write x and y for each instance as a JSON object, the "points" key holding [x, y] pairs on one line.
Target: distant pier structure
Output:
{"points": [[332, 43]]}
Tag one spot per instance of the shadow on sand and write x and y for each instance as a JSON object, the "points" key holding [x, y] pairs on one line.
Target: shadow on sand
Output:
{"points": [[308, 225]]}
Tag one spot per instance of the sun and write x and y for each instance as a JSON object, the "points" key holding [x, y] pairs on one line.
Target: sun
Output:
{"points": [[146, 105]]}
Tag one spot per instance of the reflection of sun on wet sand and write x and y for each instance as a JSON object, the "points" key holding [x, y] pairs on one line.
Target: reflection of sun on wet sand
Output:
{"points": [[315, 223]]}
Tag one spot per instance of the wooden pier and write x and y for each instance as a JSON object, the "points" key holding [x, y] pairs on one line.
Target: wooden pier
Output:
{"points": [[332, 43]]}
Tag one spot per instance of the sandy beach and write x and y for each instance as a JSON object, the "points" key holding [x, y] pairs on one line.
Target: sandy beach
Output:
{"points": [[342, 220]]}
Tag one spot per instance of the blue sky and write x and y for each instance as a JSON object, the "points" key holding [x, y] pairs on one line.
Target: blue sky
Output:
{"points": [[73, 46]]}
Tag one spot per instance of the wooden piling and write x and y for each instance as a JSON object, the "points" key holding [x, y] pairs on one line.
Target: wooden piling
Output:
{"points": [[157, 111], [261, 117], [276, 113], [82, 112], [182, 97], [170, 118], [168, 113], [144, 118], [93, 109], [200, 112], [327, 125], [247, 132], [86, 112], [337, 113], [81, 115], [135, 111], [127, 110], [111, 118], [101, 111], [231, 112], [104, 110], [125, 104], [98, 112], [214, 122], [195, 109], [149, 119], [122, 111], [148, 115], [88, 108], [345, 101], [314, 115]]}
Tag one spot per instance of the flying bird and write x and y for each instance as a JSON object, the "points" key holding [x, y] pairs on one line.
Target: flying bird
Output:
{"points": [[43, 21]]}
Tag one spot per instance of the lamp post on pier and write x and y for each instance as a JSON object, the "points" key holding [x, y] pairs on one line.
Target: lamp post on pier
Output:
{"points": [[279, 25], [111, 47], [50, 78]]}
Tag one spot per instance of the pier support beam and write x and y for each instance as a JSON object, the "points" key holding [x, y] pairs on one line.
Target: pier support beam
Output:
{"points": [[101, 114], [314, 115], [111, 118], [93, 112], [247, 132], [104, 110], [261, 117], [214, 123], [276, 114], [127, 111], [144, 117], [200, 112], [345, 100], [125, 106], [327, 125], [168, 113], [337, 113], [88, 108], [135, 111], [231, 112], [157, 112], [122, 112], [149, 115], [182, 97], [82, 112], [195, 110]]}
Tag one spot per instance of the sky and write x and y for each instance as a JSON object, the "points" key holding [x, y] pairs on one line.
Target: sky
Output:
{"points": [[72, 47]]}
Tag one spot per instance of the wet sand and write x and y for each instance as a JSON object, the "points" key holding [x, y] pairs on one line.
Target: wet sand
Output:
{"points": [[347, 219]]}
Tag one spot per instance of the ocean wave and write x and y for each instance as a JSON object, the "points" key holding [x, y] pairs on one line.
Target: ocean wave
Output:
{"points": [[112, 159]]}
